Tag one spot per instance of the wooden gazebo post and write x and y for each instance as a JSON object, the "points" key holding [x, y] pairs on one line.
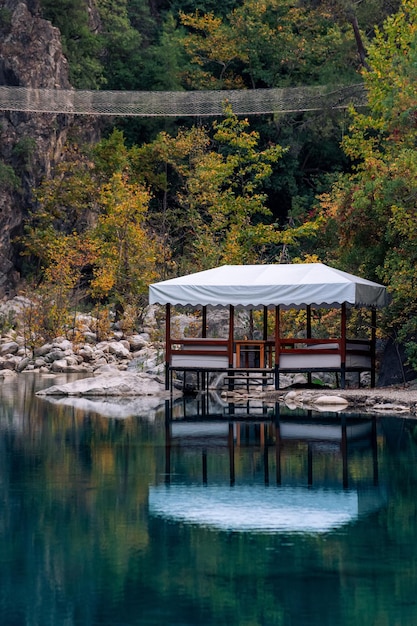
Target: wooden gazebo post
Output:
{"points": [[343, 348], [308, 332], [277, 345], [265, 338], [204, 322], [373, 346], [231, 334], [167, 344]]}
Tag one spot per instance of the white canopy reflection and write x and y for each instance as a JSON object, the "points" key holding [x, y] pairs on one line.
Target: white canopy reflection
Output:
{"points": [[261, 508]]}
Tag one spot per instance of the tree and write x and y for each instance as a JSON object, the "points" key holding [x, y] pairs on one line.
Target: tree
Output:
{"points": [[82, 47], [127, 252], [91, 226], [209, 200], [268, 44], [375, 208], [214, 51]]}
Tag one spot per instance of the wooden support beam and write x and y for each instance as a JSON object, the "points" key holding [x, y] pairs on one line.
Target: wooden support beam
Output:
{"points": [[308, 331], [231, 333], [204, 322], [167, 344], [308, 321], [373, 346], [343, 347], [265, 324], [277, 345]]}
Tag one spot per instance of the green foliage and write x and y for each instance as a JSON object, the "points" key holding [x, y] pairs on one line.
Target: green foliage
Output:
{"points": [[126, 251], [67, 199], [374, 208], [8, 321], [90, 229], [5, 18], [208, 201], [82, 47], [164, 59], [267, 44], [122, 42], [24, 150], [8, 177]]}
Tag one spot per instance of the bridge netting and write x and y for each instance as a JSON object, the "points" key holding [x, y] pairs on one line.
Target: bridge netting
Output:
{"points": [[180, 103]]}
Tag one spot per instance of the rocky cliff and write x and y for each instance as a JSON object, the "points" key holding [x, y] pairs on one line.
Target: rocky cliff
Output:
{"points": [[30, 56]]}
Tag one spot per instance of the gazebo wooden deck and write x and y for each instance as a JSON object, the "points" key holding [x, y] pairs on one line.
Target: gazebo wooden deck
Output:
{"points": [[267, 287]]}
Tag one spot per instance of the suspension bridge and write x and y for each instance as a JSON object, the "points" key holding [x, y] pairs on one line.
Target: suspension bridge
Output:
{"points": [[181, 103]]}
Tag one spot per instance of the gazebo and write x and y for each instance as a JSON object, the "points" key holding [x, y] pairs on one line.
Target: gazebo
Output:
{"points": [[277, 287]]}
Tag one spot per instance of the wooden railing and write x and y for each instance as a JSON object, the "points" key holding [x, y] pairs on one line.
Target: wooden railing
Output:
{"points": [[200, 352], [290, 353]]}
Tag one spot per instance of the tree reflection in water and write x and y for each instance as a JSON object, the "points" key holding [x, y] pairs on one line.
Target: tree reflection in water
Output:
{"points": [[95, 525]]}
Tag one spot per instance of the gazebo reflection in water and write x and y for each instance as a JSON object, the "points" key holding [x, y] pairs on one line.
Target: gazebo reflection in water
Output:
{"points": [[259, 468]]}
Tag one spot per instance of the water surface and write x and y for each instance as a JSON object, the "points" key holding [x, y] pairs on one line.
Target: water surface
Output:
{"points": [[251, 521]]}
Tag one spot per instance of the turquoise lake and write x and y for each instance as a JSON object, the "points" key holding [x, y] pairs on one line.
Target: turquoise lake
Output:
{"points": [[198, 514]]}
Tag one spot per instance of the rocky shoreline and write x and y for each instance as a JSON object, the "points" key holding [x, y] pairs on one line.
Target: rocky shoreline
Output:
{"points": [[132, 364], [395, 400], [82, 351]]}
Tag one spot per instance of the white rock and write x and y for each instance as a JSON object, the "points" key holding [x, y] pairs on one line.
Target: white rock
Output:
{"points": [[329, 400], [86, 353], [72, 360], [137, 342], [390, 407], [119, 350], [299, 379], [85, 322], [110, 384], [59, 365], [54, 355], [7, 373], [103, 346], [292, 395]]}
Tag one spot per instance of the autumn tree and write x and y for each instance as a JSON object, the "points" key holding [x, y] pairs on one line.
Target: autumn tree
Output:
{"points": [[225, 191], [267, 44], [89, 234], [375, 208], [127, 252]]}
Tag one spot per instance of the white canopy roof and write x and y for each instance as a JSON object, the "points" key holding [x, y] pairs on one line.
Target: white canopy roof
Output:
{"points": [[289, 285]]}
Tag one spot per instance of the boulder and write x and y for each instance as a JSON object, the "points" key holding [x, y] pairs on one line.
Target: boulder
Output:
{"points": [[112, 383], [42, 350], [137, 342], [23, 364], [11, 347], [90, 337], [59, 365], [86, 352], [54, 355], [331, 400], [119, 350], [62, 344]]}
